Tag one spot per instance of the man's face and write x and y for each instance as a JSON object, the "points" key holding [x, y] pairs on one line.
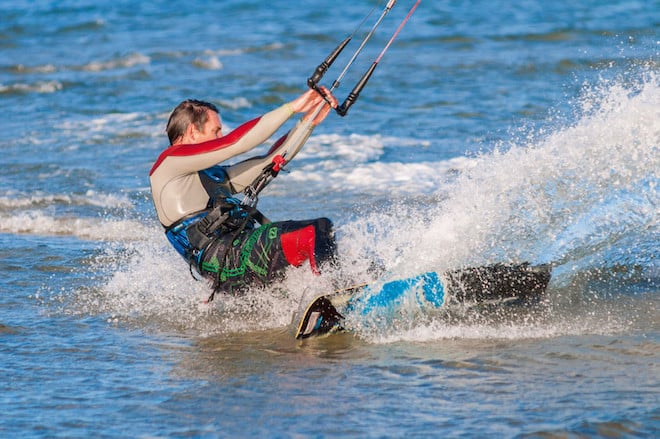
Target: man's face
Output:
{"points": [[211, 130]]}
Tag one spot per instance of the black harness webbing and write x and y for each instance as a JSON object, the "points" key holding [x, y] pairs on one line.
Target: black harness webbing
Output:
{"points": [[248, 205]]}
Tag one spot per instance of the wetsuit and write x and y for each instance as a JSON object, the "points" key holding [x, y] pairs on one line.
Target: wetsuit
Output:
{"points": [[232, 244]]}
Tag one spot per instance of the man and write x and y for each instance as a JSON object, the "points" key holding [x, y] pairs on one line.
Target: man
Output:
{"points": [[224, 240]]}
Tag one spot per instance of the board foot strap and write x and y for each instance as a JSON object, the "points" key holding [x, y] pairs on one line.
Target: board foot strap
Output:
{"points": [[321, 317]]}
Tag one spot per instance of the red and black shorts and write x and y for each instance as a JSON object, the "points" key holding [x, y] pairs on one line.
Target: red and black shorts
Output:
{"points": [[259, 256]]}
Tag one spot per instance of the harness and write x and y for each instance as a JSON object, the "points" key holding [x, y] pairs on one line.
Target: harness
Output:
{"points": [[224, 215]]}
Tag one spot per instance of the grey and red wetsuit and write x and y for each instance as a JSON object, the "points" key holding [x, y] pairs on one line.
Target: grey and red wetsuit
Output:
{"points": [[188, 184]]}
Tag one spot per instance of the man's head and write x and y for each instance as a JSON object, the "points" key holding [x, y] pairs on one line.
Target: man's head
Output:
{"points": [[193, 121]]}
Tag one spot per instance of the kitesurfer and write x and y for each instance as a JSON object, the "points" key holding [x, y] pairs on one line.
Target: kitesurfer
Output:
{"points": [[222, 238]]}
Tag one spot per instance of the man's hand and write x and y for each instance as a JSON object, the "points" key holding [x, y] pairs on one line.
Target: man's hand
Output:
{"points": [[311, 99]]}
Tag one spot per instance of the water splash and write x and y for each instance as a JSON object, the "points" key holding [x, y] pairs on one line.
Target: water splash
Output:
{"points": [[583, 198], [579, 190]]}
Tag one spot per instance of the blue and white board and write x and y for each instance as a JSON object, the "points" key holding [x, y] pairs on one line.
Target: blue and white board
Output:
{"points": [[489, 284]]}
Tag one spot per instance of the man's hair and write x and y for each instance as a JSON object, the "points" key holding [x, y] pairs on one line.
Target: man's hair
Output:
{"points": [[187, 112]]}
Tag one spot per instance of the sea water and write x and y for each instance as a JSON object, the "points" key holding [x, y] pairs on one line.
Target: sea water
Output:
{"points": [[490, 132]]}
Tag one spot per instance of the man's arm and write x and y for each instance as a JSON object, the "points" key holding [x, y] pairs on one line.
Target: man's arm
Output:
{"points": [[244, 173], [185, 159]]}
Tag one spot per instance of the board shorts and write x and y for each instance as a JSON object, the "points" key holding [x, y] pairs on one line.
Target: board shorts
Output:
{"points": [[259, 256]]}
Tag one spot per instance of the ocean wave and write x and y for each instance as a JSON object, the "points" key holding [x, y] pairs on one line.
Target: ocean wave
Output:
{"points": [[21, 68], [90, 198], [84, 26], [34, 87], [208, 63], [265, 47], [384, 178], [331, 148], [338, 162], [32, 214], [212, 59], [114, 125], [95, 229], [235, 104], [127, 61], [224, 52], [130, 60]]}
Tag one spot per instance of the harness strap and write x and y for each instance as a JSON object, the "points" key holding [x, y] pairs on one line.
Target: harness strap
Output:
{"points": [[201, 233], [249, 205], [253, 213], [178, 223]]}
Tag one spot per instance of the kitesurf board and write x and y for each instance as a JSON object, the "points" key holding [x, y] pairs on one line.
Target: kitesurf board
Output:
{"points": [[493, 285]]}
